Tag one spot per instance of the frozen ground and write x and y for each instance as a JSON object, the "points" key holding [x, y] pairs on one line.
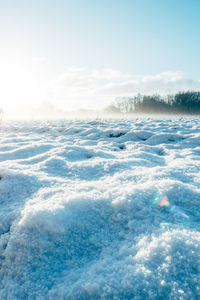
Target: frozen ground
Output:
{"points": [[103, 209]]}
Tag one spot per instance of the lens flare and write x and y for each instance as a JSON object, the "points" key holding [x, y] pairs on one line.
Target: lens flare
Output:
{"points": [[161, 201]]}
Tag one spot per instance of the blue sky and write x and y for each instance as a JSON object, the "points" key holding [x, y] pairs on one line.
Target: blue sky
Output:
{"points": [[134, 41]]}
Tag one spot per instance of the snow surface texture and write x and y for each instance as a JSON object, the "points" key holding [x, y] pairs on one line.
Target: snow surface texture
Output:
{"points": [[103, 209]]}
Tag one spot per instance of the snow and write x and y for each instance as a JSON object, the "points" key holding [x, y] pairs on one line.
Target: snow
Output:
{"points": [[100, 209]]}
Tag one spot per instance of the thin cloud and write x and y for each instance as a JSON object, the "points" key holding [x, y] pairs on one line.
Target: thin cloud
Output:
{"points": [[83, 86], [73, 81], [163, 83], [109, 74]]}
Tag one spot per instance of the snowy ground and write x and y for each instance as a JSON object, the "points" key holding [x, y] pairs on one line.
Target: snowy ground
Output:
{"points": [[103, 209]]}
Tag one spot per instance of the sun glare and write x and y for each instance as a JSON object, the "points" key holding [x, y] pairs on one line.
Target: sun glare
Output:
{"points": [[20, 86]]}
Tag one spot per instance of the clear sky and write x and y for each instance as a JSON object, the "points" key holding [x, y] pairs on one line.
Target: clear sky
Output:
{"points": [[81, 53]]}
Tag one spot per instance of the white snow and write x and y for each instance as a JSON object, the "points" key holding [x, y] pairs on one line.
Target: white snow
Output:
{"points": [[100, 209]]}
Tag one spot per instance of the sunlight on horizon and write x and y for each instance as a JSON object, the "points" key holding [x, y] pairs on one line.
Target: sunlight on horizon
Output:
{"points": [[20, 83], [29, 86]]}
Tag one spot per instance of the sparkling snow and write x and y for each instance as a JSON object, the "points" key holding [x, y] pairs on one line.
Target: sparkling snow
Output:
{"points": [[100, 209]]}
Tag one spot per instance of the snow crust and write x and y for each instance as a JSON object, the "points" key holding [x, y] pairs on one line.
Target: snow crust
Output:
{"points": [[100, 209]]}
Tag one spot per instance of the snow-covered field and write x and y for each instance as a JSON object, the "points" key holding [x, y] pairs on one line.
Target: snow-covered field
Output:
{"points": [[102, 209]]}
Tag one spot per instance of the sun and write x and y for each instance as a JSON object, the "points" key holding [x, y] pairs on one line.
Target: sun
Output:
{"points": [[20, 83]]}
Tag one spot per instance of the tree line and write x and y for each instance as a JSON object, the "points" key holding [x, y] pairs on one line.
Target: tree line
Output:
{"points": [[181, 102]]}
